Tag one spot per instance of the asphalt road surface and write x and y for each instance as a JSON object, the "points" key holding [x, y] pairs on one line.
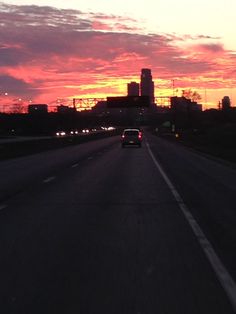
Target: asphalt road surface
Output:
{"points": [[100, 229]]}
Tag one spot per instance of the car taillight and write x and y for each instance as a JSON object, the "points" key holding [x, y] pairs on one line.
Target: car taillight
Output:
{"points": [[123, 136], [140, 136]]}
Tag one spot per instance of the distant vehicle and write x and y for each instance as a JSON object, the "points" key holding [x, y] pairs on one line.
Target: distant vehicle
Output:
{"points": [[74, 132], [85, 131], [61, 133], [131, 137], [109, 128]]}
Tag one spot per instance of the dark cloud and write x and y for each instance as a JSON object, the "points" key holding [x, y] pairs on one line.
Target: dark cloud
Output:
{"points": [[15, 86], [207, 37], [197, 37], [45, 32], [212, 47], [12, 56], [41, 15]]}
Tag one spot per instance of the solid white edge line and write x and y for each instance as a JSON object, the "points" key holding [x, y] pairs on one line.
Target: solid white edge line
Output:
{"points": [[49, 179], [221, 272]]}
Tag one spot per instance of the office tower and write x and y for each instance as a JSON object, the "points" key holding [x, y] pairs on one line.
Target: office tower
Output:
{"points": [[147, 84], [133, 89], [226, 103]]}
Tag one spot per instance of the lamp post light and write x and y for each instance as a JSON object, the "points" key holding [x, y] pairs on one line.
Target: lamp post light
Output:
{"points": [[4, 94]]}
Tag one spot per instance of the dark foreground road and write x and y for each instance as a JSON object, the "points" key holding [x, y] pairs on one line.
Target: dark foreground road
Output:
{"points": [[96, 229]]}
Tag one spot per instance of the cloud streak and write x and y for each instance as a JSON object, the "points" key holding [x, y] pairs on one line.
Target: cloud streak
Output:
{"points": [[48, 53]]}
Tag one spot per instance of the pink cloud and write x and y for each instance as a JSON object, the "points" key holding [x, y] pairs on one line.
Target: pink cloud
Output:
{"points": [[97, 25]]}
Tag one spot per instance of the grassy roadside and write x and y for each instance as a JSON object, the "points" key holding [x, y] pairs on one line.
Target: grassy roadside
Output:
{"points": [[217, 151], [219, 142]]}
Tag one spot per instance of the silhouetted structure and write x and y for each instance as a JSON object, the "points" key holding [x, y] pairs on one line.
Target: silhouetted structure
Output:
{"points": [[100, 107], [184, 105], [133, 89], [185, 113], [147, 84], [38, 109], [65, 109], [128, 102], [226, 103]]}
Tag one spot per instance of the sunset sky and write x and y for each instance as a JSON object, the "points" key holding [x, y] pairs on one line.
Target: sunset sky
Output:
{"points": [[53, 51]]}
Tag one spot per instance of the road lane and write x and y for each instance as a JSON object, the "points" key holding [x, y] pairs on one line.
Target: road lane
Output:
{"points": [[104, 237], [208, 188], [19, 173], [221, 272]]}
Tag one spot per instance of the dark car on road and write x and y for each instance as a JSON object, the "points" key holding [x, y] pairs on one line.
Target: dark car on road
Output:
{"points": [[131, 137]]}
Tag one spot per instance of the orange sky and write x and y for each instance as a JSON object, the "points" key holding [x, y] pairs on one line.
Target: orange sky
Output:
{"points": [[50, 55]]}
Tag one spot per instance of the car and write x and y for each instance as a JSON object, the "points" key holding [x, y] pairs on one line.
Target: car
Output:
{"points": [[131, 137], [74, 132], [85, 131], [60, 133]]}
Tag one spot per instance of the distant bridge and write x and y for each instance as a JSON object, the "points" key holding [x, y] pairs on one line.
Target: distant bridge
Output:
{"points": [[87, 103]]}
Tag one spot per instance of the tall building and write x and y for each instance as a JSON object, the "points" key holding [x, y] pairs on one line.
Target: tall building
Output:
{"points": [[147, 84], [226, 103], [133, 89]]}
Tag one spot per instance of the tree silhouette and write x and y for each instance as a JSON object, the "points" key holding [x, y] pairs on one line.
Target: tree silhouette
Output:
{"points": [[192, 95]]}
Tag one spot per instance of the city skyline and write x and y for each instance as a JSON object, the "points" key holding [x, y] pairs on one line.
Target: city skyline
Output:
{"points": [[64, 51]]}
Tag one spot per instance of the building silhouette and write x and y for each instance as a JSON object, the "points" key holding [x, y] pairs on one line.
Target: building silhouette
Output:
{"points": [[226, 103], [38, 109], [184, 105], [147, 84], [133, 89], [65, 109]]}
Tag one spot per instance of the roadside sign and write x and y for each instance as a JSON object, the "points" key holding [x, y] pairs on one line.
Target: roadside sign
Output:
{"points": [[128, 102]]}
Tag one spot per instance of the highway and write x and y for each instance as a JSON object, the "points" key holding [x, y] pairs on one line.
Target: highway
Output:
{"points": [[96, 228]]}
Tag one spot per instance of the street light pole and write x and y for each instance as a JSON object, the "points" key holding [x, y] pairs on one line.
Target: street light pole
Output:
{"points": [[4, 94]]}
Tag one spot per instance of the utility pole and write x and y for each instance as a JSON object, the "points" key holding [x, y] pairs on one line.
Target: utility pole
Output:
{"points": [[205, 97], [173, 87]]}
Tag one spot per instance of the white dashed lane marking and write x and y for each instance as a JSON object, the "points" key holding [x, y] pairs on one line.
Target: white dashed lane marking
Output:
{"points": [[74, 166], [49, 179]]}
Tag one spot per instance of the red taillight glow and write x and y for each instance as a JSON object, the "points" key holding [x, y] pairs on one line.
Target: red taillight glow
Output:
{"points": [[140, 135], [123, 136]]}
